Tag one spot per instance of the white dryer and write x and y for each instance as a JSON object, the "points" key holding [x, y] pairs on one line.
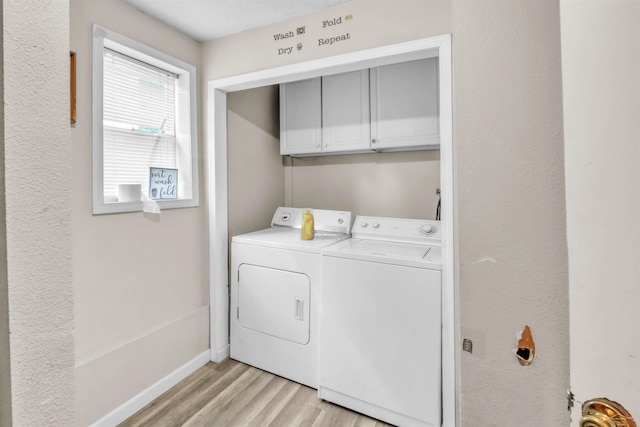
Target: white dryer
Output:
{"points": [[275, 279], [380, 337]]}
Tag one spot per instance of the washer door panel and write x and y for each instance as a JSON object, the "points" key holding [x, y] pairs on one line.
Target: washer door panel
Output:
{"points": [[274, 302]]}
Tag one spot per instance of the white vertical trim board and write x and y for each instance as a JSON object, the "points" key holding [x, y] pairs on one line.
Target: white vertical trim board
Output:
{"points": [[449, 319], [146, 396], [218, 224], [217, 185]]}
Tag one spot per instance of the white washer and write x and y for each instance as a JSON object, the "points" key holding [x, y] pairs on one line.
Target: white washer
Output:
{"points": [[275, 278], [380, 320]]}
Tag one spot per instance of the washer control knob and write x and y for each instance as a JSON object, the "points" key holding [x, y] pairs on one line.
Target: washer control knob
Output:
{"points": [[375, 225], [286, 216], [340, 220], [364, 225], [427, 229]]}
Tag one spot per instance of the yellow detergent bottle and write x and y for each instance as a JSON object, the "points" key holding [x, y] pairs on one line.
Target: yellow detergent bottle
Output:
{"points": [[306, 233]]}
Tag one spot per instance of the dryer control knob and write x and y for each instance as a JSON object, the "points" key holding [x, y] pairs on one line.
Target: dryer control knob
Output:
{"points": [[375, 225], [363, 225], [340, 220], [427, 229]]}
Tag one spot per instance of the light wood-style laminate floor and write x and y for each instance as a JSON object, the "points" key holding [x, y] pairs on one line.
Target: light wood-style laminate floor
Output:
{"points": [[231, 393]]}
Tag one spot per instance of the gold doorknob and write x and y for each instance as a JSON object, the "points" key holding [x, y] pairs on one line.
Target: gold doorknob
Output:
{"points": [[603, 412]]}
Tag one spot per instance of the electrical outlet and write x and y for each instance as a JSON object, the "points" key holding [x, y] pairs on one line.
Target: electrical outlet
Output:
{"points": [[467, 345]]}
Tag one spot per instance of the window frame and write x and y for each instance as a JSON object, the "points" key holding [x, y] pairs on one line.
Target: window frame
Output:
{"points": [[102, 38]]}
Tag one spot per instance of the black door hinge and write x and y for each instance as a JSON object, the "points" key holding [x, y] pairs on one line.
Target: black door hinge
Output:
{"points": [[570, 400]]}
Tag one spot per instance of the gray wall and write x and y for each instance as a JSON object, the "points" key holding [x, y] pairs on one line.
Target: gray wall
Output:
{"points": [[382, 184], [255, 171], [140, 281], [5, 362]]}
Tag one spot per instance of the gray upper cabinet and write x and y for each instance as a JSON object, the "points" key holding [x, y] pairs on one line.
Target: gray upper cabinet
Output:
{"points": [[388, 108], [345, 112], [404, 106], [300, 117]]}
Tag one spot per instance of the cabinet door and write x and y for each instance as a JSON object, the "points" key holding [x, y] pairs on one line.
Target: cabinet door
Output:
{"points": [[345, 112], [404, 105], [300, 117]]}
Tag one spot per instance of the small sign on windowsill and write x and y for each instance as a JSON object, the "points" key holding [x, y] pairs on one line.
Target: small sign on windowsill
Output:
{"points": [[163, 183]]}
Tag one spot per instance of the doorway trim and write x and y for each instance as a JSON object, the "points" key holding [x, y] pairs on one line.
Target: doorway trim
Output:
{"points": [[217, 197]]}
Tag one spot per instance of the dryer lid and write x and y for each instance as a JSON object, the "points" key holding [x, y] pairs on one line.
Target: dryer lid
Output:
{"points": [[289, 238]]}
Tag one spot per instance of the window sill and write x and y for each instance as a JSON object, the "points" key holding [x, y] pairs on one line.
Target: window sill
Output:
{"points": [[125, 207]]}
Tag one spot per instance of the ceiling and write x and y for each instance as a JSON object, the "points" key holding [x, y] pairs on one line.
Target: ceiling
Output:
{"points": [[205, 20]]}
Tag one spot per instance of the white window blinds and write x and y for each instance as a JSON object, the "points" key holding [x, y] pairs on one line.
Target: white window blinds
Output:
{"points": [[138, 122]]}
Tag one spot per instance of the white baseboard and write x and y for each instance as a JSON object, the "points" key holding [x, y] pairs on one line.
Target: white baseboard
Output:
{"points": [[138, 401], [221, 354]]}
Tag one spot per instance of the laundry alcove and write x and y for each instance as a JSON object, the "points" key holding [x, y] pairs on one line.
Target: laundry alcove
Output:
{"points": [[439, 47]]}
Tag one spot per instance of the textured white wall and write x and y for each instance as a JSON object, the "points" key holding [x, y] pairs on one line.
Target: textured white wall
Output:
{"points": [[601, 88], [140, 283], [511, 232], [38, 211]]}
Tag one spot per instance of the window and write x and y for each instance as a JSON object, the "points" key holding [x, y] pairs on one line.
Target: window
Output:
{"points": [[144, 116]]}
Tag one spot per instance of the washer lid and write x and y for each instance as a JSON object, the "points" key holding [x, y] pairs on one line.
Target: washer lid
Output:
{"points": [[386, 252]]}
